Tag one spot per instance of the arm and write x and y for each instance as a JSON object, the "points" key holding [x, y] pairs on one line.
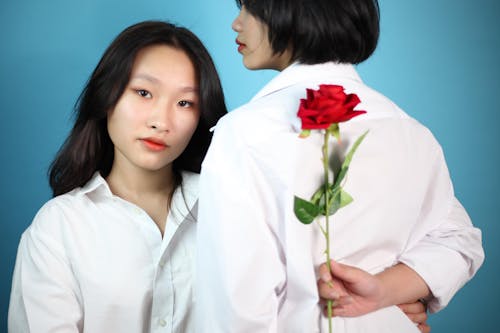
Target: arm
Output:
{"points": [[240, 271], [455, 246], [450, 242], [356, 292], [442, 241], [43, 296]]}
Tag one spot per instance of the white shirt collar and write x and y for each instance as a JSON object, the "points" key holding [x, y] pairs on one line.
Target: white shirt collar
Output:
{"points": [[184, 198], [296, 73], [96, 184]]}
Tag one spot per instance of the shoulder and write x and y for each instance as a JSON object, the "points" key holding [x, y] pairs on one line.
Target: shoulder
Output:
{"points": [[59, 205], [58, 214], [48, 230], [396, 139], [263, 117]]}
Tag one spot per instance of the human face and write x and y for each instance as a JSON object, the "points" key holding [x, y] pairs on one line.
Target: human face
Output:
{"points": [[253, 43], [157, 114]]}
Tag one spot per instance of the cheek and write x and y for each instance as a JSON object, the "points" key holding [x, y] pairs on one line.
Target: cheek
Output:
{"points": [[193, 124], [188, 127], [122, 121], [126, 117], [113, 126]]}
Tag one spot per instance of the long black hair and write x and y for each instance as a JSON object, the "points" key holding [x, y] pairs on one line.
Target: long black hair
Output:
{"points": [[344, 31], [89, 148]]}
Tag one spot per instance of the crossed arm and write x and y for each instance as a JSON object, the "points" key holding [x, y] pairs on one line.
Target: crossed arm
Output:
{"points": [[355, 292]]}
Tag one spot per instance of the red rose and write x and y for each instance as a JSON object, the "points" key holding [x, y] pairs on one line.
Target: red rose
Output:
{"points": [[327, 105]]}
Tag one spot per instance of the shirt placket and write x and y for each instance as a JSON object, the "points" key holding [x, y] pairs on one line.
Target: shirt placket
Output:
{"points": [[163, 302], [163, 289]]}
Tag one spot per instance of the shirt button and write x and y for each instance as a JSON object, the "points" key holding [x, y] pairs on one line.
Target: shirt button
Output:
{"points": [[162, 323], [162, 264]]}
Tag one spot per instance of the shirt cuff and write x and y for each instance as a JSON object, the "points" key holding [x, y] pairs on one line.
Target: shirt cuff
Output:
{"points": [[432, 263]]}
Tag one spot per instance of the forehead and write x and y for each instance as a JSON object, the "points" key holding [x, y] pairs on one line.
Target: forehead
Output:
{"points": [[162, 62]]}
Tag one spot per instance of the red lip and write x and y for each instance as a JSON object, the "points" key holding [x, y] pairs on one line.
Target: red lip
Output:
{"points": [[241, 46], [154, 144]]}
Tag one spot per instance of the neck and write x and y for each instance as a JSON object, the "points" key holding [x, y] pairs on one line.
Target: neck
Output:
{"points": [[284, 60], [150, 190], [131, 183]]}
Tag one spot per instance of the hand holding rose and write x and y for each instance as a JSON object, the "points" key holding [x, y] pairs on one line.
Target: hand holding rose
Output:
{"points": [[355, 292]]}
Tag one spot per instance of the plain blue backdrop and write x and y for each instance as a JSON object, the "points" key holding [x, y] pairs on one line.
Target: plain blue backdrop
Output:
{"points": [[438, 59]]}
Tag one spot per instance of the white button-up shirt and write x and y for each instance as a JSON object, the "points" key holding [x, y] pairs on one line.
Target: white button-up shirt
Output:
{"points": [[260, 263], [92, 262]]}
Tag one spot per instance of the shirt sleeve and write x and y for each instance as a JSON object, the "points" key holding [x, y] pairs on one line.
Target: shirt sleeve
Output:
{"points": [[43, 296], [452, 244], [240, 270]]}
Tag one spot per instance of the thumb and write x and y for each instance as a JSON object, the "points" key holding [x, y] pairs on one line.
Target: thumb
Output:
{"points": [[324, 273], [346, 273]]}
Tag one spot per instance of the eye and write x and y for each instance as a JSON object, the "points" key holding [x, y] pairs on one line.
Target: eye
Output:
{"points": [[185, 104], [143, 93]]}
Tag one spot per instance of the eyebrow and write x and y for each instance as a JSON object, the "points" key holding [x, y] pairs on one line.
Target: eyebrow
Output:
{"points": [[189, 89], [146, 77], [154, 80]]}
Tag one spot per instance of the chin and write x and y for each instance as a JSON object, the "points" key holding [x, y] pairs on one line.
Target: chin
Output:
{"points": [[250, 66]]}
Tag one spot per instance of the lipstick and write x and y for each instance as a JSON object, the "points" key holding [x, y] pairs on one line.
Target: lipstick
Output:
{"points": [[241, 46], [154, 144]]}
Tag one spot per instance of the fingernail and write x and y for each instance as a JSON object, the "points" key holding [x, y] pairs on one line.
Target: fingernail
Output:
{"points": [[333, 295], [327, 279]]}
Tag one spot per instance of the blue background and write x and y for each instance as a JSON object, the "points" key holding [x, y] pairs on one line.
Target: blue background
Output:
{"points": [[438, 59]]}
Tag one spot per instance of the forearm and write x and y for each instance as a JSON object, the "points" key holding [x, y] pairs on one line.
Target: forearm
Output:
{"points": [[400, 284], [454, 247]]}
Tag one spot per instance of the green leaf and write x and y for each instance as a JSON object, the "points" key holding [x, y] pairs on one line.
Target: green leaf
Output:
{"points": [[347, 161], [340, 199], [318, 196], [304, 210], [333, 200], [345, 199]]}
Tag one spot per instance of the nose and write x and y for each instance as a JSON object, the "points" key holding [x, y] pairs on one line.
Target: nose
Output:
{"points": [[159, 119], [236, 25]]}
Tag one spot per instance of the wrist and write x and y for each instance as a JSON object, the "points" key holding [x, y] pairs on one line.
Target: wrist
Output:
{"points": [[400, 284], [384, 293]]}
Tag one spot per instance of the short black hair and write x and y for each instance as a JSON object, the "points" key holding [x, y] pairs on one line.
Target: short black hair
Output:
{"points": [[343, 31], [89, 148]]}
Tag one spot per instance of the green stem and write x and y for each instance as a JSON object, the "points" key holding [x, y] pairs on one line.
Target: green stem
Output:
{"points": [[327, 224]]}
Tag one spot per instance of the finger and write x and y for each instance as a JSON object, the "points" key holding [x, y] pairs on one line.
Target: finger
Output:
{"points": [[325, 307], [424, 328], [416, 307], [326, 290], [417, 318], [325, 310], [324, 273], [340, 302], [346, 273], [339, 311], [343, 301], [338, 306]]}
